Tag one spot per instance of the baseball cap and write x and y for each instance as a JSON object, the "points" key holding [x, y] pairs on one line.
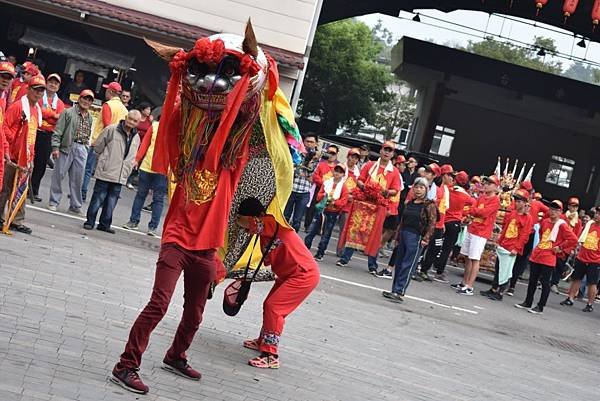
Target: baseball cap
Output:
{"points": [[31, 68], [365, 147], [400, 159], [340, 167], [87, 92], [461, 178], [526, 185], [446, 169], [556, 204], [54, 76], [521, 194], [493, 179], [37, 82], [573, 201], [434, 168], [354, 151], [113, 86], [388, 144], [7, 68]]}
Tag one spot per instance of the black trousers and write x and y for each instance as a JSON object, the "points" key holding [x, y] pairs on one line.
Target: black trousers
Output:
{"points": [[495, 284], [433, 249], [43, 148], [558, 271], [541, 273], [309, 214], [450, 238], [521, 262]]}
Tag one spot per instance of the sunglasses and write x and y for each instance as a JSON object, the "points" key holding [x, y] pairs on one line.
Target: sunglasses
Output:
{"points": [[332, 153], [91, 99], [388, 149]]}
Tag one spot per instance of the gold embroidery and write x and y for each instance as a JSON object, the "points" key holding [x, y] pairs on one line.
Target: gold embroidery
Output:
{"points": [[206, 184], [591, 241], [481, 206], [545, 242], [512, 231], [350, 183]]}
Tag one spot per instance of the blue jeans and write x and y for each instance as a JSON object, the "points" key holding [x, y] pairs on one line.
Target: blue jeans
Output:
{"points": [[146, 182], [347, 255], [409, 251], [106, 195], [90, 163], [297, 204], [330, 220]]}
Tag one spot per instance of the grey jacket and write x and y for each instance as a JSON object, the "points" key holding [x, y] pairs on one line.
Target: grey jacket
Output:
{"points": [[66, 129], [115, 153]]}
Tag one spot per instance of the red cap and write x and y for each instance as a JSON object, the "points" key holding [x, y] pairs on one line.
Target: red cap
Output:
{"points": [[31, 68], [526, 185], [54, 76], [37, 81], [461, 178], [388, 144], [434, 168], [573, 201], [113, 86], [340, 167], [354, 151], [537, 195], [401, 159], [493, 179], [446, 169], [7, 68], [556, 204], [521, 194], [86, 92]]}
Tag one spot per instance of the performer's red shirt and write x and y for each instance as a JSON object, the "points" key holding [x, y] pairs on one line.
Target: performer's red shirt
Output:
{"points": [[14, 131], [351, 179], [389, 180], [536, 207], [323, 171], [543, 253], [3, 144], [50, 115], [577, 227], [590, 251], [339, 204], [17, 91], [515, 231], [460, 203], [484, 215], [288, 252], [441, 206]]}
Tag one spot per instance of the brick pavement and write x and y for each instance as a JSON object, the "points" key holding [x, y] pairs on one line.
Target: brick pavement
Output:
{"points": [[68, 298]]}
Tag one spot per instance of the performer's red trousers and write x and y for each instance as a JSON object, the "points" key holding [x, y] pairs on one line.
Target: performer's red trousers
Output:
{"points": [[198, 273], [286, 295]]}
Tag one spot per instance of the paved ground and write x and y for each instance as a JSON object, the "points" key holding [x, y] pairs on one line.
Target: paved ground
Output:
{"points": [[68, 297]]}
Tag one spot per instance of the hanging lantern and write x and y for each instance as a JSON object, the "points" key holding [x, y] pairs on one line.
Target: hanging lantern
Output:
{"points": [[539, 4], [595, 15], [569, 7]]}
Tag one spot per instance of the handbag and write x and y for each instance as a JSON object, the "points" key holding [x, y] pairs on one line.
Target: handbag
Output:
{"points": [[236, 293]]}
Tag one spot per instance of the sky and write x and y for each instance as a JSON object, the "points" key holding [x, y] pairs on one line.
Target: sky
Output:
{"points": [[496, 24]]}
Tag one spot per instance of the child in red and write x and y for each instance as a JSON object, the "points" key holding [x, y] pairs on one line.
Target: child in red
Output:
{"points": [[556, 239], [297, 276]]}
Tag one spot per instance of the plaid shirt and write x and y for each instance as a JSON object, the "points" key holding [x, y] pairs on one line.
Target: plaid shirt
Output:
{"points": [[84, 128], [302, 173]]}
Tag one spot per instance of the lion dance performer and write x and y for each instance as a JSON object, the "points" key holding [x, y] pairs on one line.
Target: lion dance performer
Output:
{"points": [[225, 126]]}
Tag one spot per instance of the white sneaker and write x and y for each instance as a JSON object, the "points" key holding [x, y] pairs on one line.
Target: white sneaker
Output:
{"points": [[465, 291], [52, 208]]}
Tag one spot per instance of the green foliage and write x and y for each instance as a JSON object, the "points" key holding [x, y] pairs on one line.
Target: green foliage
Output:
{"points": [[523, 56], [344, 83]]}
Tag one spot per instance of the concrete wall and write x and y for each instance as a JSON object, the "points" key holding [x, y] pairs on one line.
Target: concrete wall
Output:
{"points": [[283, 24]]}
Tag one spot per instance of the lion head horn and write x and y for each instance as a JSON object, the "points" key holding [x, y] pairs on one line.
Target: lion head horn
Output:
{"points": [[250, 45], [165, 52]]}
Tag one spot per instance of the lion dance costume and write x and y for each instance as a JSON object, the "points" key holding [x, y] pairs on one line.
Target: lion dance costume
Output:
{"points": [[226, 133]]}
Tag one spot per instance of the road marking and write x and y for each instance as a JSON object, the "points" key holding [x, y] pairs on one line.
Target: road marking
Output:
{"points": [[74, 217], [427, 301]]}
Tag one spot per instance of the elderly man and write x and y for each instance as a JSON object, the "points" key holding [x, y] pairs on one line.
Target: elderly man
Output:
{"points": [[52, 107], [23, 118], [115, 148], [19, 86], [70, 141], [113, 111]]}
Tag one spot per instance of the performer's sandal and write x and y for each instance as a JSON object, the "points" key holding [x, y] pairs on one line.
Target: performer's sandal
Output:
{"points": [[265, 362], [252, 344]]}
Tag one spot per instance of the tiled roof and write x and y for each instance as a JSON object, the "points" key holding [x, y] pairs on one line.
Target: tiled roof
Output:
{"points": [[156, 23]]}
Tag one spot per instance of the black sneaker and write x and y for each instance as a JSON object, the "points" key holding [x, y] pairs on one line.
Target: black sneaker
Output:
{"points": [[373, 271], [318, 257], [341, 263], [105, 229], [392, 296], [510, 292], [384, 273], [486, 293], [567, 302], [424, 276], [88, 226], [21, 228], [588, 308], [457, 286], [536, 310], [417, 278], [495, 296], [128, 379], [522, 305], [180, 367]]}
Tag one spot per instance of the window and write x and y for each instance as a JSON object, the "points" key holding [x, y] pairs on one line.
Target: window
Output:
{"points": [[560, 171], [442, 141]]}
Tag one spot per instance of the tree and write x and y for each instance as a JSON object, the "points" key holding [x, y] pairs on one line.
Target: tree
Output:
{"points": [[523, 56], [344, 83], [396, 113], [582, 72]]}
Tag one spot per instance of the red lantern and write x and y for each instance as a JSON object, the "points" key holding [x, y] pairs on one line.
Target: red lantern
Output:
{"points": [[569, 7], [539, 4], [595, 14]]}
